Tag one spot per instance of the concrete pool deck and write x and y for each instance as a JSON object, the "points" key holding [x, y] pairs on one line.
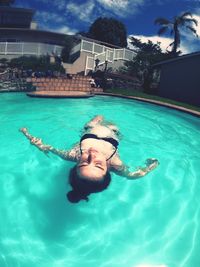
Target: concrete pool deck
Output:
{"points": [[60, 94]]}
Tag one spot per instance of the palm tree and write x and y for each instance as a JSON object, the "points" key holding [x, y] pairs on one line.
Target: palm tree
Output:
{"points": [[184, 20]]}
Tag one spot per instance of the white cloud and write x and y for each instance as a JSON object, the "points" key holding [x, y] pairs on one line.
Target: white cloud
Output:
{"points": [[164, 42], [117, 4], [44, 1], [45, 16], [65, 29], [121, 7], [91, 9], [189, 40], [52, 22], [197, 17], [188, 34], [59, 4], [83, 11]]}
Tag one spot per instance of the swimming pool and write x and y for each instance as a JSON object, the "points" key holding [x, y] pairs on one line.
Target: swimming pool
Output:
{"points": [[147, 222]]}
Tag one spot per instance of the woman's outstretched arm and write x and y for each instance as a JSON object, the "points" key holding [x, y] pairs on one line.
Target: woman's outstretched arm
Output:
{"points": [[64, 154], [121, 169]]}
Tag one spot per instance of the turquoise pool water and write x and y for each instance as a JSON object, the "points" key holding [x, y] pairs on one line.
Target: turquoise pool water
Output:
{"points": [[153, 221]]}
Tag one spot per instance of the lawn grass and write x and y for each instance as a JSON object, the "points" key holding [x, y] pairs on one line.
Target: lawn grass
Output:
{"points": [[131, 92]]}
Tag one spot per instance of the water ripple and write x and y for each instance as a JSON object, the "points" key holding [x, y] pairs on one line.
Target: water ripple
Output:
{"points": [[151, 222]]}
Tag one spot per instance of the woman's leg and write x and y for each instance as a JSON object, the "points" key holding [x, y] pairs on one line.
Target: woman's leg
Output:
{"points": [[93, 122], [113, 127]]}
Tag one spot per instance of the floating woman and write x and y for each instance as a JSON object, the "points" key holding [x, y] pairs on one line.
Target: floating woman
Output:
{"points": [[96, 155]]}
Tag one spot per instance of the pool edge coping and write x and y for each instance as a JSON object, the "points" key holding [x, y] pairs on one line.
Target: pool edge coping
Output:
{"points": [[156, 102]]}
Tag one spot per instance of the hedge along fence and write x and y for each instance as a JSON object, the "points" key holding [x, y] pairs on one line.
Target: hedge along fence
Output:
{"points": [[117, 80]]}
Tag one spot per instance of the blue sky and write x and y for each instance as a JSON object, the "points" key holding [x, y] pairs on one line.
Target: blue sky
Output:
{"points": [[137, 15]]}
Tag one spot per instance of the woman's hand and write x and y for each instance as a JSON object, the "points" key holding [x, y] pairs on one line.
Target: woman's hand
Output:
{"points": [[152, 164], [35, 141], [23, 130]]}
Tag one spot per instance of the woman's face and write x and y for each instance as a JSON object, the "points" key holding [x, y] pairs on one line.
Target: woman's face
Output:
{"points": [[92, 165]]}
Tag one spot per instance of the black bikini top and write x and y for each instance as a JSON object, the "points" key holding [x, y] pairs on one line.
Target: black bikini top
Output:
{"points": [[110, 140]]}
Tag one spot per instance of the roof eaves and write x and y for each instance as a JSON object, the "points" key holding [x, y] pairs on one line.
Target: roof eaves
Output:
{"points": [[176, 59], [33, 30]]}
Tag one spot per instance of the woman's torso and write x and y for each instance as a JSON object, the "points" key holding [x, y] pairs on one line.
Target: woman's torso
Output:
{"points": [[103, 146]]}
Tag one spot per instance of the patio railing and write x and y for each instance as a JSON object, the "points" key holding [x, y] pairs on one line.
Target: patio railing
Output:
{"points": [[22, 48], [102, 53]]}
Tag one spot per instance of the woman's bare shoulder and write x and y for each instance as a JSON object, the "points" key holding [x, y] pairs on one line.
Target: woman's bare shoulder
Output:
{"points": [[116, 163]]}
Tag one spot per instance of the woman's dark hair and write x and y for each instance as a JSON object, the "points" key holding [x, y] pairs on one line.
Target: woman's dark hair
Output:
{"points": [[81, 188]]}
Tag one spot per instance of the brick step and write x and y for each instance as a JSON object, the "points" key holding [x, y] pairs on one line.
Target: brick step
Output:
{"points": [[61, 84], [77, 83], [65, 87], [47, 86], [50, 87], [76, 78], [64, 81]]}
